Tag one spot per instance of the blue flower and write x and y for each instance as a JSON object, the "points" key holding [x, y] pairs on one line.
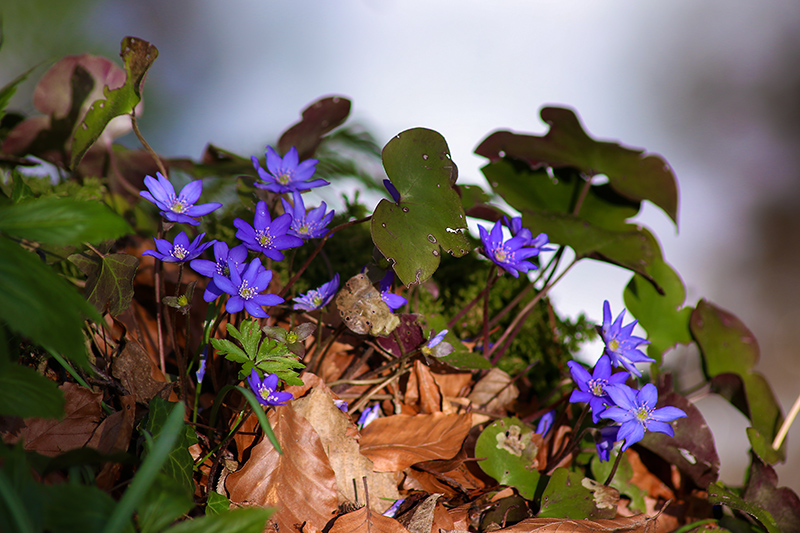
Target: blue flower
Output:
{"points": [[368, 415], [392, 511], [636, 412], [394, 301], [621, 346], [309, 225], [605, 442], [178, 208], [545, 423], [209, 268], [245, 288], [510, 255], [266, 235], [181, 250], [592, 387], [317, 298], [265, 390], [435, 347], [285, 174], [392, 190], [201, 370], [342, 405]]}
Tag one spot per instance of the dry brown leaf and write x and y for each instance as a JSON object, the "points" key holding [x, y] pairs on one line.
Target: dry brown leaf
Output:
{"points": [[646, 480], [423, 390], [419, 519], [449, 477], [494, 392], [54, 437], [337, 433], [634, 524], [365, 520], [300, 483], [453, 385], [394, 443], [114, 435], [140, 376]]}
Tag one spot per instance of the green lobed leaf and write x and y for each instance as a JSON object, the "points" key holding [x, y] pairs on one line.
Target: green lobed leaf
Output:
{"points": [[664, 317], [429, 216], [719, 495], [62, 221], [509, 454], [179, 463], [138, 55], [164, 503], [8, 90], [570, 495], [109, 281], [243, 520], [40, 305], [230, 350], [631, 172], [25, 393], [217, 503], [729, 347], [73, 508]]}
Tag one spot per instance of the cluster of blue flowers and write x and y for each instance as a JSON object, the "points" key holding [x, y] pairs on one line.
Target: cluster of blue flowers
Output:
{"points": [[608, 395], [512, 254]]}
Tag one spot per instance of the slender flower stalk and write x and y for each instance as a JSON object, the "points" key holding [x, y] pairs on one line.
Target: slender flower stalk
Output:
{"points": [[180, 207]]}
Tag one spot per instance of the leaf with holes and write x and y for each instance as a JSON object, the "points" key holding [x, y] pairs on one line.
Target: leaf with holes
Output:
{"points": [[428, 216]]}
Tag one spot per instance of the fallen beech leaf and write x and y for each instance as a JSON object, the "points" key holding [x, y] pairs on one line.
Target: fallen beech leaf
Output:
{"points": [[138, 374], [396, 442], [300, 483], [634, 524], [365, 520], [449, 477], [54, 437], [494, 392], [422, 389], [419, 519], [337, 433]]}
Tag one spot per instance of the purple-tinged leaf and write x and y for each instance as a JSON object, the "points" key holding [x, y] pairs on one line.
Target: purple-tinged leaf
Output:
{"points": [[782, 503], [318, 119]]}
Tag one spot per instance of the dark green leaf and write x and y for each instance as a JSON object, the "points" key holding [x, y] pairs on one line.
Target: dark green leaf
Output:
{"points": [[630, 172], [40, 305], [217, 503], [510, 453], [78, 509], [229, 350], [664, 317], [728, 347], [62, 221], [782, 503], [110, 280], [138, 56], [8, 90], [622, 480], [26, 393], [763, 447], [165, 502], [570, 495], [429, 216], [20, 191], [246, 520], [719, 495], [179, 464]]}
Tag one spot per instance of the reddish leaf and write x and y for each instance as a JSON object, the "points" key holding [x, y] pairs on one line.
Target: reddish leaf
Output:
{"points": [[366, 521], [396, 442], [782, 503], [300, 483], [318, 119]]}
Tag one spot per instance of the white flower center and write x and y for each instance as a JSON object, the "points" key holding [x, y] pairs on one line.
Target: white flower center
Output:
{"points": [[245, 291], [179, 252], [264, 238], [178, 205]]}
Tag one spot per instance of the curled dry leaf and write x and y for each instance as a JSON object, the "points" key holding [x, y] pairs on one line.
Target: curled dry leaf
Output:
{"points": [[365, 520], [53, 437], [300, 483], [494, 392], [394, 443], [337, 433], [139, 374], [422, 390]]}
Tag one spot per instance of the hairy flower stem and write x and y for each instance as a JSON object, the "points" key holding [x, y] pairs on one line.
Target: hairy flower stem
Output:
{"points": [[613, 469], [159, 306], [153, 154], [489, 283], [573, 441], [318, 249]]}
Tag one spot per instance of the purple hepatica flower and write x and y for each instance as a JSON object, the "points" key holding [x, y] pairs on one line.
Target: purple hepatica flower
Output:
{"points": [[287, 174], [392, 190], [394, 301], [181, 250], [178, 208], [309, 225], [317, 298], [209, 268], [342, 405], [201, 371], [604, 444], [510, 255], [592, 388], [621, 346], [266, 235], [368, 415], [545, 423], [245, 287], [265, 390], [636, 412], [392, 511], [436, 347]]}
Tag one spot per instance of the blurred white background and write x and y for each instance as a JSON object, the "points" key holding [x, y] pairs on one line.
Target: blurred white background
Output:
{"points": [[714, 87]]}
